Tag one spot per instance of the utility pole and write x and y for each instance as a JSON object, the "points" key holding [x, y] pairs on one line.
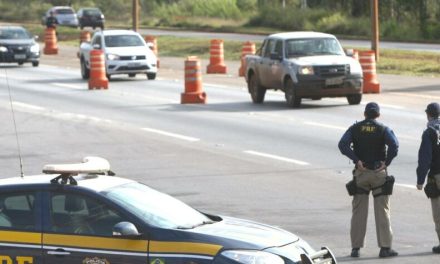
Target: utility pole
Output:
{"points": [[303, 4], [375, 28], [135, 14]]}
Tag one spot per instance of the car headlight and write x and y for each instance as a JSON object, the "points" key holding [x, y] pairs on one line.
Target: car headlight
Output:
{"points": [[35, 48], [306, 70], [112, 57], [252, 257], [3, 49]]}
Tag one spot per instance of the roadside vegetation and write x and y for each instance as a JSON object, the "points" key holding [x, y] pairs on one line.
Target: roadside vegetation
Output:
{"points": [[400, 20]]}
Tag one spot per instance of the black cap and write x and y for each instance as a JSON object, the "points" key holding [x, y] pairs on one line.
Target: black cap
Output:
{"points": [[372, 109], [433, 109]]}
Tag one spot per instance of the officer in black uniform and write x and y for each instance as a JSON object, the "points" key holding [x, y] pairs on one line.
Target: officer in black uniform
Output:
{"points": [[429, 164], [51, 21], [365, 143]]}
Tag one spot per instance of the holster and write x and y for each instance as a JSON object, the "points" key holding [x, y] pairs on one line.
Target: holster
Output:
{"points": [[353, 189], [386, 188], [431, 189]]}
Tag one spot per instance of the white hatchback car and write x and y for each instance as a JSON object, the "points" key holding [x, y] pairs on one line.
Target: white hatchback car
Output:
{"points": [[126, 52]]}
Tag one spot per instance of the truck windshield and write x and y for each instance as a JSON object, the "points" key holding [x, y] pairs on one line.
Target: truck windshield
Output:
{"points": [[123, 41], [156, 208], [313, 47]]}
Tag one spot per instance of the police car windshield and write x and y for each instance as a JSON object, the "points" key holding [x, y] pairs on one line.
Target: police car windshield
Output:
{"points": [[156, 208], [123, 41]]}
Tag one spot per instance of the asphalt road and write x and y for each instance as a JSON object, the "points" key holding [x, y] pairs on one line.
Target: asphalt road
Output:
{"points": [[263, 162]]}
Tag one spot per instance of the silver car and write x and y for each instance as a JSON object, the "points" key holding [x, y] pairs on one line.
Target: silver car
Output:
{"points": [[126, 52], [64, 15]]}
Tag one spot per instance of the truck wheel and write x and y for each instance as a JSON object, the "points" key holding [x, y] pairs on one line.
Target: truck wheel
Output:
{"points": [[291, 98], [35, 63], [85, 72], [354, 99], [256, 90], [132, 75]]}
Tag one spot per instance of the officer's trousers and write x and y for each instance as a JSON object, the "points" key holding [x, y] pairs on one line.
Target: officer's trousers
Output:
{"points": [[369, 180], [435, 204]]}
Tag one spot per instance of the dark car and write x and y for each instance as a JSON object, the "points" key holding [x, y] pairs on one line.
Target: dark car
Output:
{"points": [[76, 214], [17, 45], [64, 15], [90, 17]]}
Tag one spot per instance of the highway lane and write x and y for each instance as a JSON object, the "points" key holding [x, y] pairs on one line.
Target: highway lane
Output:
{"points": [[264, 162]]}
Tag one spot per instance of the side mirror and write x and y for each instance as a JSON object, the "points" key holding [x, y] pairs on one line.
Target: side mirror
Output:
{"points": [[150, 45], [125, 229], [96, 46], [349, 52], [276, 56], [36, 37]]}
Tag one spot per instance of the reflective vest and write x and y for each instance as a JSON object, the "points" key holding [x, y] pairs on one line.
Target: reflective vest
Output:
{"points": [[369, 141]]}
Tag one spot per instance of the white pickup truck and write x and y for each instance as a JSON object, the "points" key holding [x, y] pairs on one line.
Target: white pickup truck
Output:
{"points": [[303, 65], [126, 52]]}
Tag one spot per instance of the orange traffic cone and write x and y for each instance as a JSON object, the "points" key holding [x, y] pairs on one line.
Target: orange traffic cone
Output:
{"points": [[50, 42], [193, 83], [216, 61], [247, 49], [152, 39], [84, 36], [97, 79], [368, 63]]}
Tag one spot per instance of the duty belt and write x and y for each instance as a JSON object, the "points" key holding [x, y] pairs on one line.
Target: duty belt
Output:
{"points": [[372, 165]]}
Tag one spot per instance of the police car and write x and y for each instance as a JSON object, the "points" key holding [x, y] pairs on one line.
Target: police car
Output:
{"points": [[81, 213]]}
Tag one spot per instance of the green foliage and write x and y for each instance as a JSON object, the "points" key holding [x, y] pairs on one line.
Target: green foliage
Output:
{"points": [[227, 9]]}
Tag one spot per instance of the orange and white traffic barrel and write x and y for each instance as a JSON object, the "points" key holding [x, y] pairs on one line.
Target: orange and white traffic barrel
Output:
{"points": [[153, 40], [248, 48], [98, 79], [367, 60], [193, 83], [50, 42], [84, 36], [216, 60]]}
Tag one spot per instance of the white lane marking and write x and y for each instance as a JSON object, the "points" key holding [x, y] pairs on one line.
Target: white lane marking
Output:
{"points": [[424, 96], [169, 134], [325, 126], [27, 106], [70, 86], [275, 157], [406, 185]]}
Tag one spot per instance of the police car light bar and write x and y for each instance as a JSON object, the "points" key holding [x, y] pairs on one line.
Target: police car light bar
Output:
{"points": [[89, 165]]}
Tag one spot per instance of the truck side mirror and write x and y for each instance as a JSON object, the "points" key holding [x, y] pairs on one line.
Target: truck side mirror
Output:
{"points": [[96, 46]]}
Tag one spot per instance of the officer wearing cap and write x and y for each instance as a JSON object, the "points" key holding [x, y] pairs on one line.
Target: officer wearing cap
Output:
{"points": [[429, 164], [371, 146], [51, 21]]}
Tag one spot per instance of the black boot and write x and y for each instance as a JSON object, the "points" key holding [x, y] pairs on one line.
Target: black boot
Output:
{"points": [[355, 253], [387, 252]]}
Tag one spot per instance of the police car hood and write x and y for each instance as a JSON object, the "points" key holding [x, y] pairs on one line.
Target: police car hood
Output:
{"points": [[322, 60], [247, 232], [24, 42]]}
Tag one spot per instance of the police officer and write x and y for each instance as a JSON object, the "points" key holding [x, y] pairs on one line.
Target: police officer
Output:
{"points": [[365, 144], [51, 21], [429, 161]]}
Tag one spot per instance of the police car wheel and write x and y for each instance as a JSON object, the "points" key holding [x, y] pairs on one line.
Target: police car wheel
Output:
{"points": [[151, 76]]}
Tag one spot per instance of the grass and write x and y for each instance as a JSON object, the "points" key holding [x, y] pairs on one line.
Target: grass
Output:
{"points": [[415, 63]]}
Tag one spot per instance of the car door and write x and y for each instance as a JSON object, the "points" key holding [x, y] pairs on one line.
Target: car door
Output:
{"points": [[80, 230], [20, 227], [265, 72], [276, 67]]}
